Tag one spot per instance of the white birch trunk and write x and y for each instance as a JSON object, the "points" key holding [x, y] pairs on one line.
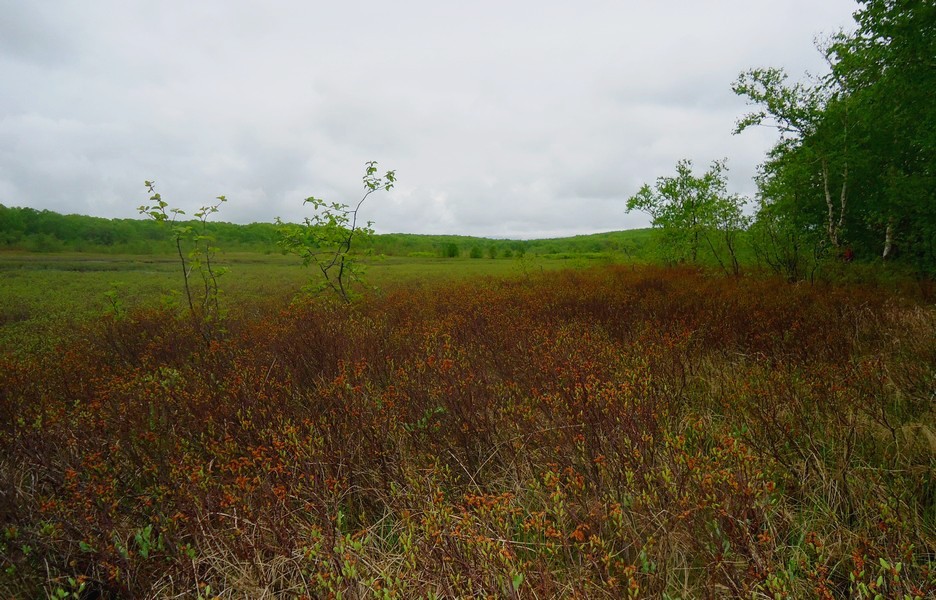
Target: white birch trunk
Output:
{"points": [[888, 238]]}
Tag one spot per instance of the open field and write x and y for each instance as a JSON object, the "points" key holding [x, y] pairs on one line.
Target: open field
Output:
{"points": [[41, 292], [615, 431]]}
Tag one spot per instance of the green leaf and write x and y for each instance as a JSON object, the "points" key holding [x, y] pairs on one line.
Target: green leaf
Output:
{"points": [[517, 581]]}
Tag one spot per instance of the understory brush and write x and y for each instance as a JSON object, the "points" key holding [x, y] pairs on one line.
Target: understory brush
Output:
{"points": [[611, 432]]}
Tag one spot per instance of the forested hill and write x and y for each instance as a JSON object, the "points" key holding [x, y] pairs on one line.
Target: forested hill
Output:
{"points": [[31, 230], [47, 231]]}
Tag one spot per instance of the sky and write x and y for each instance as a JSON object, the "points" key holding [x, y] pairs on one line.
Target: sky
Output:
{"points": [[508, 119]]}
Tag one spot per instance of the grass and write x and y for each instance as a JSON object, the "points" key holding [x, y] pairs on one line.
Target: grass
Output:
{"points": [[44, 293], [613, 431]]}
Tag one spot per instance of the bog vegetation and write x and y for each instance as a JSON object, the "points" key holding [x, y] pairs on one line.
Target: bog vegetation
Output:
{"points": [[610, 432], [732, 404]]}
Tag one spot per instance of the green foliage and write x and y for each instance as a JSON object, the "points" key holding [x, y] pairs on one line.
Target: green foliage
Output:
{"points": [[47, 231], [856, 158], [693, 214], [55, 233], [325, 239], [784, 245], [115, 304], [794, 110], [812, 156], [196, 252], [146, 543], [450, 250]]}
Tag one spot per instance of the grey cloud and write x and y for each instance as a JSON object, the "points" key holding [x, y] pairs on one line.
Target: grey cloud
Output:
{"points": [[506, 119], [36, 32]]}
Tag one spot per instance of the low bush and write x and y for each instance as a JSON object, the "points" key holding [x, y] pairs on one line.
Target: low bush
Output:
{"points": [[610, 432]]}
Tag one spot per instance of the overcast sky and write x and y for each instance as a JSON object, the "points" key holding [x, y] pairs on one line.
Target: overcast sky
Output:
{"points": [[504, 119]]}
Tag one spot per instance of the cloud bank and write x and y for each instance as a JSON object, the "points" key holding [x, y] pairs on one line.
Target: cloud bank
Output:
{"points": [[504, 119]]}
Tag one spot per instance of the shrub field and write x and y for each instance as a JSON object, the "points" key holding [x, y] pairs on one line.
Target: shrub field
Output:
{"points": [[613, 432]]}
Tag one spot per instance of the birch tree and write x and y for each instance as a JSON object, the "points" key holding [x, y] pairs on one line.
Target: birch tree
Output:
{"points": [[694, 213]]}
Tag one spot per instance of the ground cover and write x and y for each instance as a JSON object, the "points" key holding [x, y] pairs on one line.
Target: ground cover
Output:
{"points": [[43, 294], [616, 431]]}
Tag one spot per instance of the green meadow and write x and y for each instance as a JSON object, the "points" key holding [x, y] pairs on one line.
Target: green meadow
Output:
{"points": [[42, 293]]}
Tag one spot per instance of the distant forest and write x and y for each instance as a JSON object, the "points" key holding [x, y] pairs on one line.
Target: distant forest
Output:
{"points": [[31, 230]]}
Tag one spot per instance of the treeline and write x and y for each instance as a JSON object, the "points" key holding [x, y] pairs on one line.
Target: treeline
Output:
{"points": [[630, 244], [32, 230], [47, 231], [853, 174]]}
